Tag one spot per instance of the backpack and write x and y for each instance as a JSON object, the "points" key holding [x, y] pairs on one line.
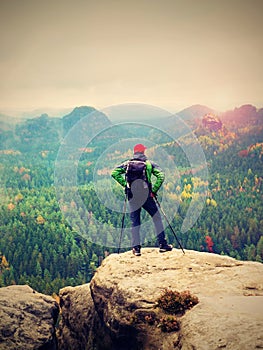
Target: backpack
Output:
{"points": [[136, 170]]}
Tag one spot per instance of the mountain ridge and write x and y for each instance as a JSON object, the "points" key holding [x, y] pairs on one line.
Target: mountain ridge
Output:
{"points": [[188, 113], [45, 128], [43, 133]]}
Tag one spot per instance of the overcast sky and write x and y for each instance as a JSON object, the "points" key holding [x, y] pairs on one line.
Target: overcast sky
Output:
{"points": [[167, 53]]}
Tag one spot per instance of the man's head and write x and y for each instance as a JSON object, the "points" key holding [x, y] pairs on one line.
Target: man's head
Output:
{"points": [[139, 148]]}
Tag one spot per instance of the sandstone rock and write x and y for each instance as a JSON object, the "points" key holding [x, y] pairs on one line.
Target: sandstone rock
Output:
{"points": [[27, 319], [114, 311], [211, 122], [79, 324]]}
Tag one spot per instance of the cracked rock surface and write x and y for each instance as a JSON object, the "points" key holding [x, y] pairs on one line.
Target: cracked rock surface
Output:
{"points": [[27, 319]]}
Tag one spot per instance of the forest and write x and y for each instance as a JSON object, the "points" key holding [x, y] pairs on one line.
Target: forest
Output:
{"points": [[41, 247]]}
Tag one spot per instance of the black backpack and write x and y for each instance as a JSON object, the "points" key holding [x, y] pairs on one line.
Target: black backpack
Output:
{"points": [[136, 170]]}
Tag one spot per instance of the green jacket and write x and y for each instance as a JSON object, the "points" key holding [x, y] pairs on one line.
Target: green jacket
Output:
{"points": [[151, 169]]}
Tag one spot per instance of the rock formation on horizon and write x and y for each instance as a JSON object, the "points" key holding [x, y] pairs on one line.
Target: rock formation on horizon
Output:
{"points": [[211, 122]]}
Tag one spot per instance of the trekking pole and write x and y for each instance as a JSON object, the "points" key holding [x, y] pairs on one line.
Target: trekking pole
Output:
{"points": [[122, 222], [159, 205]]}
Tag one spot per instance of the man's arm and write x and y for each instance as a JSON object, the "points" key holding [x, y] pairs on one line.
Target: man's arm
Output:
{"points": [[159, 174], [117, 174]]}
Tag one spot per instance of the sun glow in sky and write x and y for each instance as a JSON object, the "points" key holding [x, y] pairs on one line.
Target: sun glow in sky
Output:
{"points": [[169, 53]]}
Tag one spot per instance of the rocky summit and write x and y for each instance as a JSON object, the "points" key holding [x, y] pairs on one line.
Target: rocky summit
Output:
{"points": [[119, 309], [123, 307]]}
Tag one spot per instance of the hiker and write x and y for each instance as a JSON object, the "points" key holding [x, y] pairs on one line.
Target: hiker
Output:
{"points": [[135, 176]]}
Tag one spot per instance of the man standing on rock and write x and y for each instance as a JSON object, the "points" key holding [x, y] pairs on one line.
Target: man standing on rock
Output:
{"points": [[135, 176]]}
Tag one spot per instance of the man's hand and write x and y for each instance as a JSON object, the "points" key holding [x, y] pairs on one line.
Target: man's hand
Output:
{"points": [[153, 195]]}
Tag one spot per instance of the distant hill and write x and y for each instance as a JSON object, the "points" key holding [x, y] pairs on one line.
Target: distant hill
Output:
{"points": [[41, 133], [134, 112], [45, 133], [184, 121], [246, 115], [95, 119], [195, 112], [5, 122], [19, 115]]}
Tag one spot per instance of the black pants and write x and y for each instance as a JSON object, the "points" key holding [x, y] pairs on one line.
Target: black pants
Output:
{"points": [[135, 214]]}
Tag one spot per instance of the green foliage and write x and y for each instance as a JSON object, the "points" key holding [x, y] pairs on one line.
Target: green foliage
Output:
{"points": [[44, 251]]}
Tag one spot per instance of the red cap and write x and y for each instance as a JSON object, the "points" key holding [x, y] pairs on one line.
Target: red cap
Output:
{"points": [[139, 148]]}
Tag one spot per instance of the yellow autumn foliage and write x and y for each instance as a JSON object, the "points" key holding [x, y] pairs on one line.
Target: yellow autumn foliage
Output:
{"points": [[40, 220]]}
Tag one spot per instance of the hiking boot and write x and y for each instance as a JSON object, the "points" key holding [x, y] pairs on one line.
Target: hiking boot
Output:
{"points": [[137, 250], [165, 248]]}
